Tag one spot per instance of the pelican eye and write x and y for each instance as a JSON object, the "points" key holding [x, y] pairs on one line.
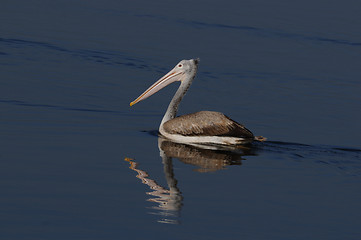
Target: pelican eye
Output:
{"points": [[180, 65]]}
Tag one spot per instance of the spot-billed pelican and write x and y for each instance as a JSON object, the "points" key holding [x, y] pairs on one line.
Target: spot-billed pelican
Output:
{"points": [[203, 127]]}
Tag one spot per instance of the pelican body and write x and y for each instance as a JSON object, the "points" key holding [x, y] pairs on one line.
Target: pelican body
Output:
{"points": [[205, 127]]}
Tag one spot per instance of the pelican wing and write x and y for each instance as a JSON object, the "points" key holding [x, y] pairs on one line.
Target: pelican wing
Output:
{"points": [[206, 123]]}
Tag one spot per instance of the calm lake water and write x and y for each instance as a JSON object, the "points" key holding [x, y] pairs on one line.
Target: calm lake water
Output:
{"points": [[76, 162]]}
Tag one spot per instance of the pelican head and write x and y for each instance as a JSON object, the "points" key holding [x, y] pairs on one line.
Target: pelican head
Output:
{"points": [[184, 71]]}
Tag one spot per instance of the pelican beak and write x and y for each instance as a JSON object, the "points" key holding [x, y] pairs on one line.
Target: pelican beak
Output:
{"points": [[174, 75]]}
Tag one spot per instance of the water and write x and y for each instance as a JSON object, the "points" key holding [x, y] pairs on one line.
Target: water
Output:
{"points": [[72, 148]]}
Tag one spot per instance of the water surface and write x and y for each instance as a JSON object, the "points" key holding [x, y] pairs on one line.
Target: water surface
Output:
{"points": [[72, 148]]}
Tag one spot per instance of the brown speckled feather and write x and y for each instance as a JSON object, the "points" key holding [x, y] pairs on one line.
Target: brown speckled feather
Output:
{"points": [[206, 123]]}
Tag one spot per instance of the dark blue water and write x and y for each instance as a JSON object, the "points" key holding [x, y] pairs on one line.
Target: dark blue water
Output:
{"points": [[76, 162]]}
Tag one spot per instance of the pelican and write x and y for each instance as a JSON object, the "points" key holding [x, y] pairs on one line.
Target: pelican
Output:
{"points": [[205, 127]]}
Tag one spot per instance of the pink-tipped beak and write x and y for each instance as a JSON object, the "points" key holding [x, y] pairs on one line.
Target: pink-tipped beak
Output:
{"points": [[174, 75]]}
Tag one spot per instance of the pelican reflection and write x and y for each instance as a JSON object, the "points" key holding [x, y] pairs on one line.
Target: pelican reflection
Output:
{"points": [[207, 158], [169, 202]]}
